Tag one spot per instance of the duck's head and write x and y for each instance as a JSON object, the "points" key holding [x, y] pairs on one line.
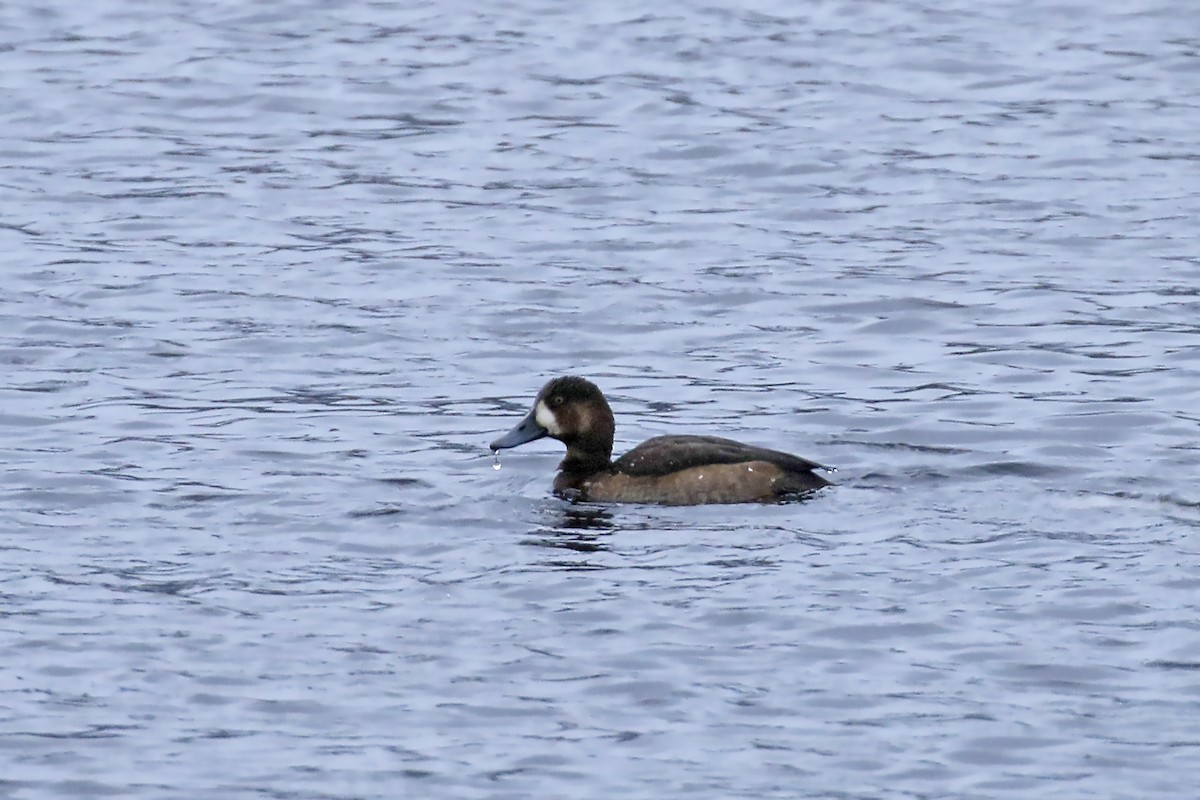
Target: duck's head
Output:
{"points": [[572, 410]]}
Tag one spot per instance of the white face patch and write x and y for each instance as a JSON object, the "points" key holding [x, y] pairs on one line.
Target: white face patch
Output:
{"points": [[545, 417]]}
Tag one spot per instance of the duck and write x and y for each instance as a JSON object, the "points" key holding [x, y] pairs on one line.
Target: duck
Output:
{"points": [[664, 470]]}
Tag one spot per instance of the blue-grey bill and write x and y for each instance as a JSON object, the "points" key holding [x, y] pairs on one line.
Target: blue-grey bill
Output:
{"points": [[527, 430]]}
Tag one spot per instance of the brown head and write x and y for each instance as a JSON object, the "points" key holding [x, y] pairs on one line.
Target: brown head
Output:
{"points": [[574, 411]]}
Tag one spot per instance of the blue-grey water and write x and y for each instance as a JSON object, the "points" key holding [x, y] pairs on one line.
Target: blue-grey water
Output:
{"points": [[274, 273]]}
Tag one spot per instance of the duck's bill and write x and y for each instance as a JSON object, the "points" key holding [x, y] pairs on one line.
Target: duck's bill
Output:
{"points": [[527, 430]]}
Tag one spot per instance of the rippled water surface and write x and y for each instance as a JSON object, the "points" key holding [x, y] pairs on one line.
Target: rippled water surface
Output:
{"points": [[276, 272]]}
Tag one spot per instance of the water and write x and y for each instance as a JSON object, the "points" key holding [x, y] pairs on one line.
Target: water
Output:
{"points": [[277, 273]]}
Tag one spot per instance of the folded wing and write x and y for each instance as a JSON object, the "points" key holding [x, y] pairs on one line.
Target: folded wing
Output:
{"points": [[665, 454]]}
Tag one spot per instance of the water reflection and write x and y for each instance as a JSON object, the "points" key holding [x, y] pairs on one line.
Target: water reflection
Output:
{"points": [[582, 528], [585, 516]]}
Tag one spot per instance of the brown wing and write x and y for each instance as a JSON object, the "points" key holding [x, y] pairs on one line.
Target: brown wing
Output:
{"points": [[665, 454]]}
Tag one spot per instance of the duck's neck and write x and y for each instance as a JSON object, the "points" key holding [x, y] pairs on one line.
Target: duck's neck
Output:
{"points": [[577, 468], [586, 461]]}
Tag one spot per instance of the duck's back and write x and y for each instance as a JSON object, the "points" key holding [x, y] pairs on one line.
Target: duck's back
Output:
{"points": [[688, 470], [663, 455]]}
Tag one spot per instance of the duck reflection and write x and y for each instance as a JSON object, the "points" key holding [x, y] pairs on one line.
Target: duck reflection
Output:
{"points": [[582, 528]]}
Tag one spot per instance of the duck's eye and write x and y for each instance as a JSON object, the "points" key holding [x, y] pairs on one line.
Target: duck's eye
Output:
{"points": [[556, 401]]}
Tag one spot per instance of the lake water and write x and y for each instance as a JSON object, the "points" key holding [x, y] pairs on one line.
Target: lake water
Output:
{"points": [[275, 273]]}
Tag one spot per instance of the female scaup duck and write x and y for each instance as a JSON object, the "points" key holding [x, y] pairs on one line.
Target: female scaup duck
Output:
{"points": [[673, 470]]}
